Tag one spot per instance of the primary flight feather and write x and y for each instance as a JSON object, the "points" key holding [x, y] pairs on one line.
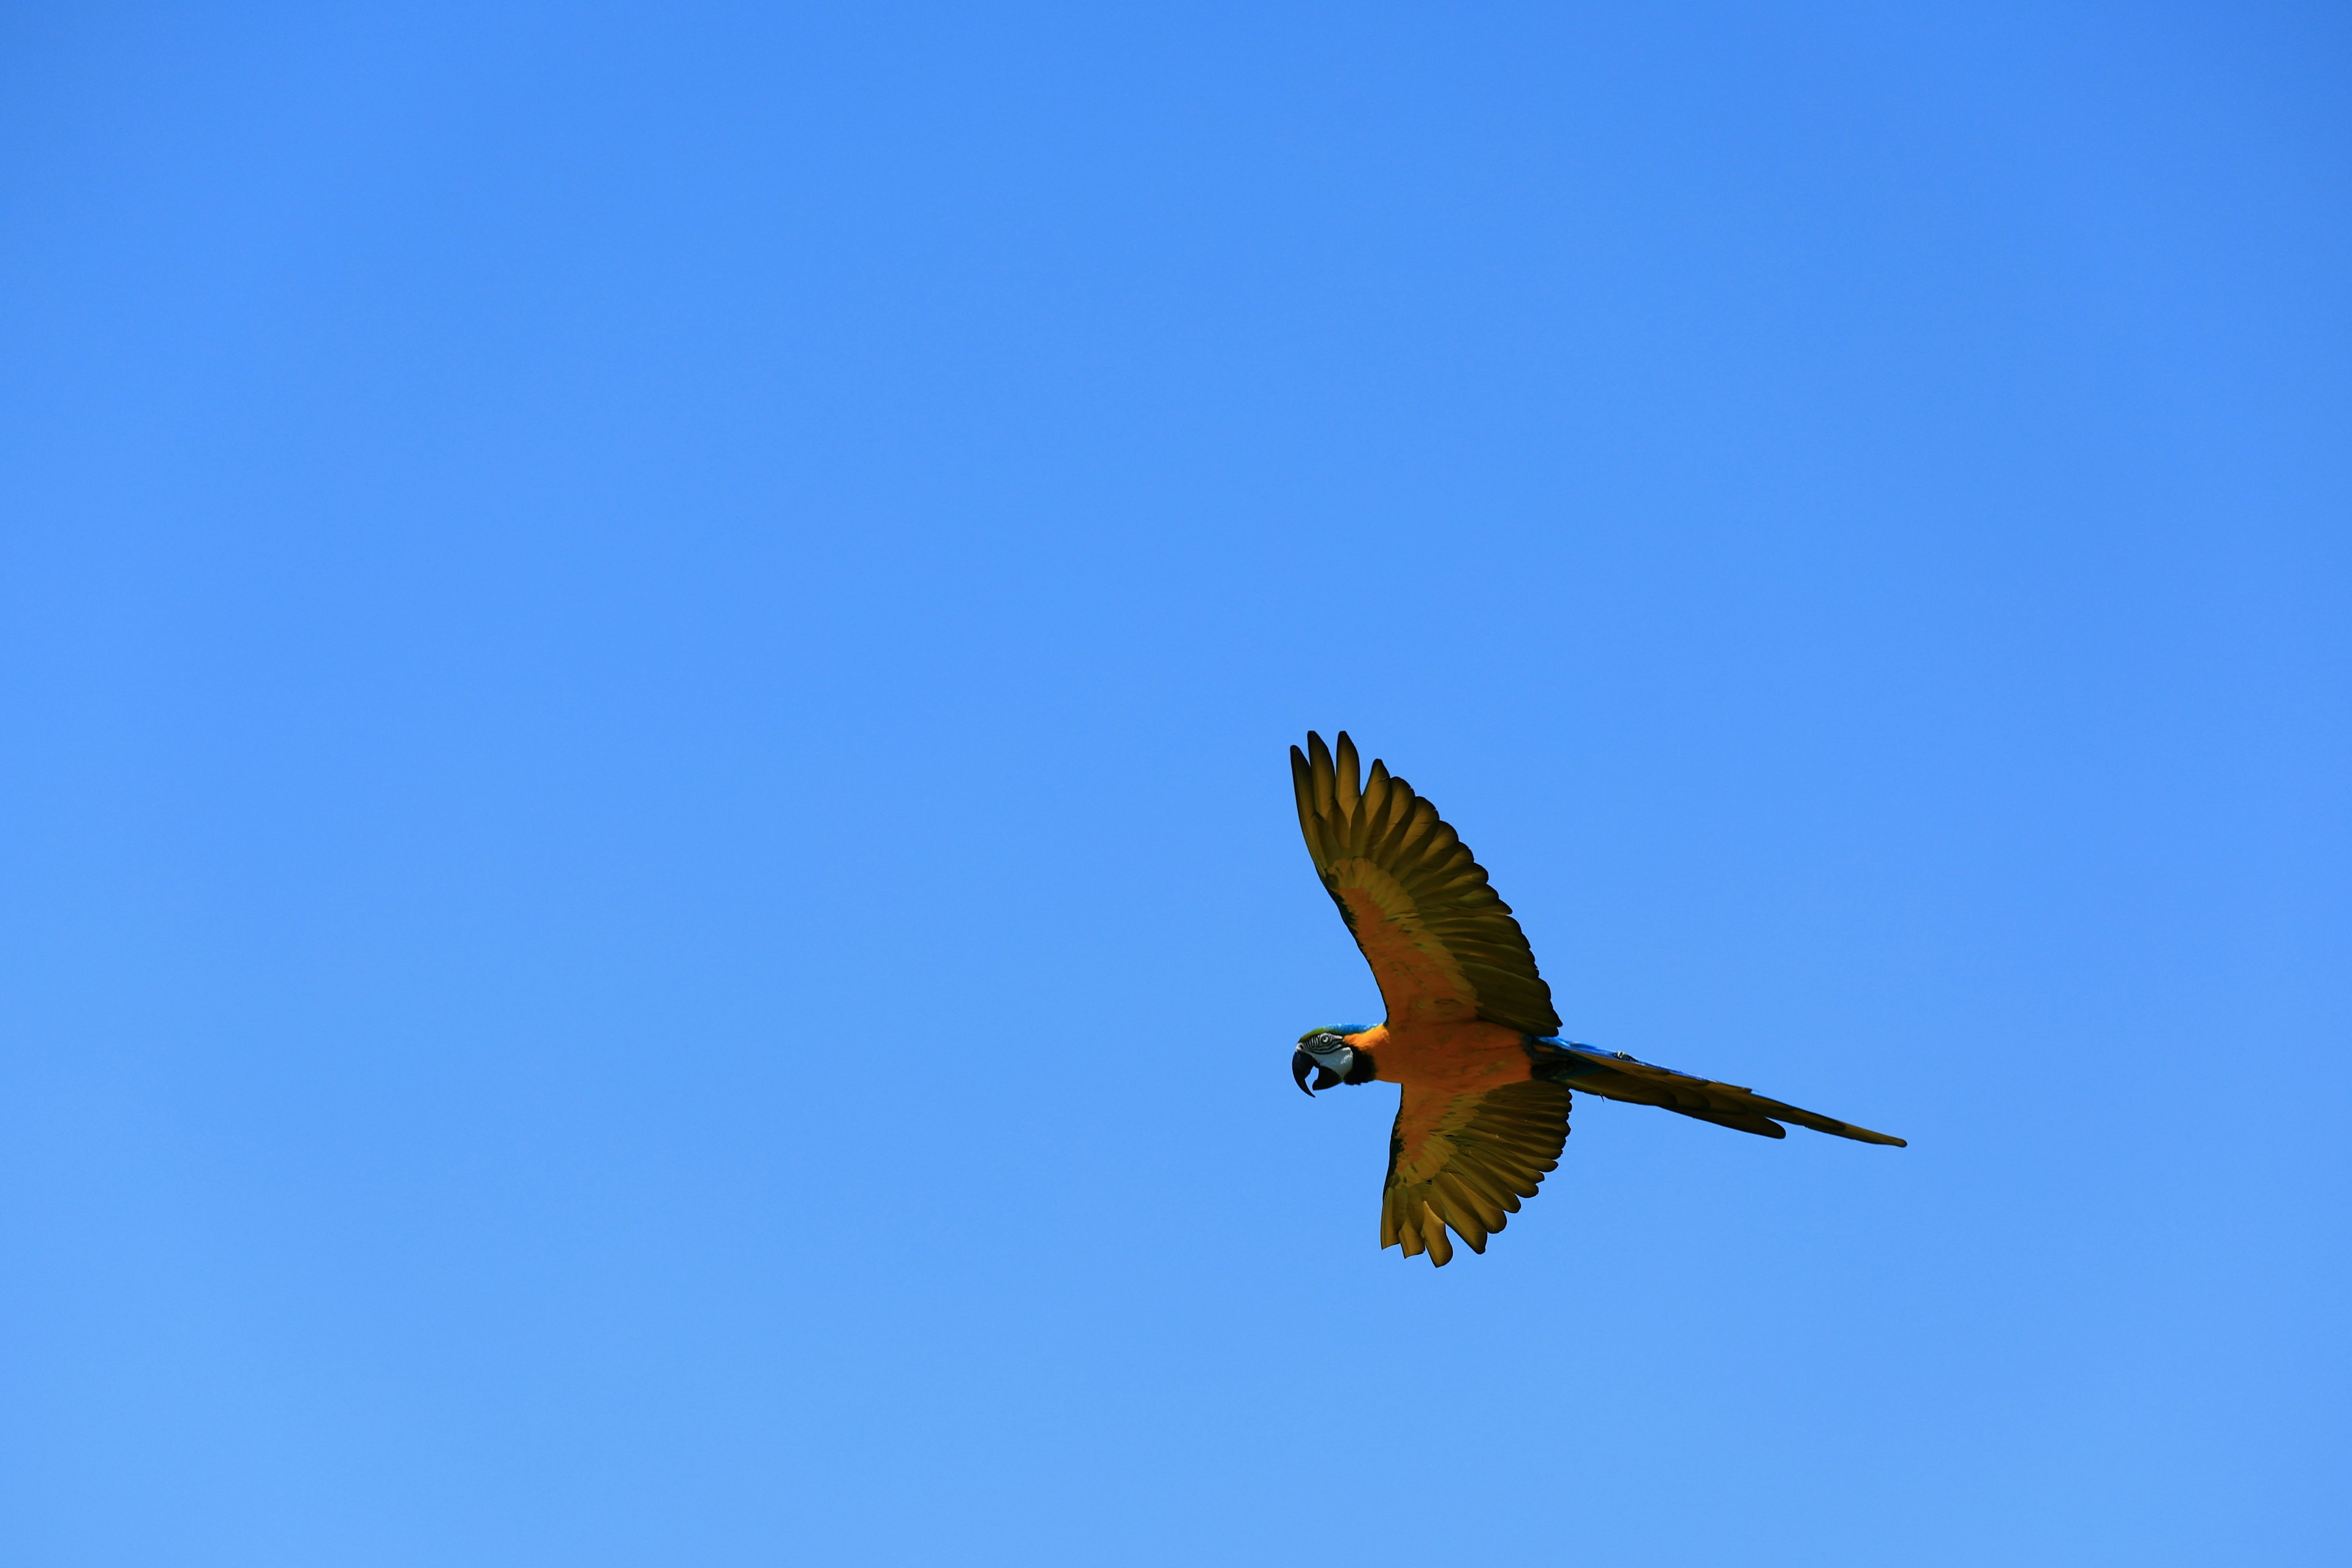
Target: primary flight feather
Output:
{"points": [[1471, 1036]]}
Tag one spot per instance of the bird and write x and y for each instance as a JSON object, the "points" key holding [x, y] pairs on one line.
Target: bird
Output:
{"points": [[1471, 1037]]}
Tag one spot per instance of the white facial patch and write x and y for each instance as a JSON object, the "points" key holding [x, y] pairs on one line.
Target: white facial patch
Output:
{"points": [[1330, 1054]]}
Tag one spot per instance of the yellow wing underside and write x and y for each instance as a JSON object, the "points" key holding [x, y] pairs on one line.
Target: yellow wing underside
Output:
{"points": [[1465, 1161], [1444, 948]]}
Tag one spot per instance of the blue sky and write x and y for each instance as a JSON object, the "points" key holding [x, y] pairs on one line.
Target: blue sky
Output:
{"points": [[654, 910]]}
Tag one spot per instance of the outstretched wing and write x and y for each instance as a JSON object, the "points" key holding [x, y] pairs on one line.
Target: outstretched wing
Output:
{"points": [[1615, 1076], [1443, 947], [1465, 1161]]}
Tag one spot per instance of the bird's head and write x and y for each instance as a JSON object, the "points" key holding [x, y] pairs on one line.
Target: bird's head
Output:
{"points": [[1326, 1054]]}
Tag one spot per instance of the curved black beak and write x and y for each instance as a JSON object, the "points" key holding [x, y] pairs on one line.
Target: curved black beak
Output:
{"points": [[1301, 1064]]}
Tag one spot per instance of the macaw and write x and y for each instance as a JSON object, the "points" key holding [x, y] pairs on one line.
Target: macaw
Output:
{"points": [[1471, 1036]]}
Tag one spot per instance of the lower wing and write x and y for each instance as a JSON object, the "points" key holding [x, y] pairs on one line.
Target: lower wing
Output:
{"points": [[1465, 1161]]}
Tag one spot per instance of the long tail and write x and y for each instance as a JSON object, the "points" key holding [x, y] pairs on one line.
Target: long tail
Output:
{"points": [[1612, 1075]]}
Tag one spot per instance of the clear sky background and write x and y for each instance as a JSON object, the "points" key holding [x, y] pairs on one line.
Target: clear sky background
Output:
{"points": [[653, 908]]}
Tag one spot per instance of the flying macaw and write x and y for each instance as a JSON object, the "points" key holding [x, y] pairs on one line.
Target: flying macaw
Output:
{"points": [[1471, 1034]]}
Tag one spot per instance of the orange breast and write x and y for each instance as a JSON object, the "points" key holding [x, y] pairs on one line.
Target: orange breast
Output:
{"points": [[1451, 1059]]}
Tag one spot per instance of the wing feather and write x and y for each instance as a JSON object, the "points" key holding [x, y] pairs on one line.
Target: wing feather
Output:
{"points": [[1466, 1161], [1442, 944]]}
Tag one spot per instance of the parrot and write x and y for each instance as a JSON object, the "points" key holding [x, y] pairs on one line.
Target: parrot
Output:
{"points": [[1471, 1038]]}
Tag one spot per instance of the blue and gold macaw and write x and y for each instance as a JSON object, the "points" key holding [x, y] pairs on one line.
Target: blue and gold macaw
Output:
{"points": [[1471, 1036]]}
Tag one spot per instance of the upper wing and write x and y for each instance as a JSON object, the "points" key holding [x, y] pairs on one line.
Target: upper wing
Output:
{"points": [[1444, 948], [1615, 1076], [1465, 1161]]}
